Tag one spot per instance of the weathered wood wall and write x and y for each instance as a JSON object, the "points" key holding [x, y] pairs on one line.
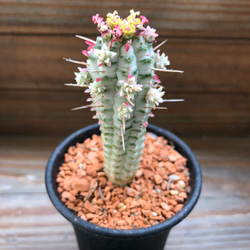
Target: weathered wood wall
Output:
{"points": [[208, 39]]}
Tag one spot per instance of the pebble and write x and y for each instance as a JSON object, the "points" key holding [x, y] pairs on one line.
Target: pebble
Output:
{"points": [[157, 179], [147, 173], [181, 184], [81, 185], [134, 204], [165, 206], [120, 205], [158, 191], [154, 214], [174, 192], [90, 207]]}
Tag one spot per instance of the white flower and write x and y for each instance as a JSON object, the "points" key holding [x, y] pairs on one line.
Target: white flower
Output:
{"points": [[104, 55], [103, 27], [161, 61], [129, 87], [83, 77], [150, 34], [154, 96], [124, 110], [96, 88]]}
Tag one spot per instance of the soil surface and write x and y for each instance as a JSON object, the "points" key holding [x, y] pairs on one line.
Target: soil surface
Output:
{"points": [[158, 191]]}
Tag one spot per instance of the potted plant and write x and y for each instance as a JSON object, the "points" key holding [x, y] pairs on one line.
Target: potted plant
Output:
{"points": [[124, 88]]}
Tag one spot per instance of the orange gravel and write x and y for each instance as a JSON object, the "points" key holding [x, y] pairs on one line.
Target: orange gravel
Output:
{"points": [[158, 191]]}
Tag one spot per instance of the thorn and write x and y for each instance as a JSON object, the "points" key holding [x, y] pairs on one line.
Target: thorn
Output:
{"points": [[123, 125], [96, 71], [87, 106], [157, 86], [123, 144], [156, 107], [160, 108], [168, 70], [77, 62], [159, 45], [97, 99], [101, 194], [85, 38], [75, 85], [129, 101], [173, 100]]}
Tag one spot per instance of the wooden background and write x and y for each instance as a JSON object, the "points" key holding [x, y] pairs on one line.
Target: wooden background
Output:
{"points": [[208, 39], [219, 221]]}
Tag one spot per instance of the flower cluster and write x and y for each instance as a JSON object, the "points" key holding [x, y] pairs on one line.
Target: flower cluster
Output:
{"points": [[150, 34], [161, 61], [96, 88], [117, 29], [124, 110], [104, 55], [129, 87], [154, 96], [83, 77]]}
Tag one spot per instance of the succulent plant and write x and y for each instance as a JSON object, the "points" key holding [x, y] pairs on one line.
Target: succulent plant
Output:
{"points": [[124, 88]]}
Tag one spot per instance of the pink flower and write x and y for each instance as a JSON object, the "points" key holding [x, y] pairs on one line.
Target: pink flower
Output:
{"points": [[117, 33], [97, 19], [98, 79], [85, 52], [143, 20], [107, 34], [150, 34], [156, 78], [90, 43], [127, 46], [145, 124]]}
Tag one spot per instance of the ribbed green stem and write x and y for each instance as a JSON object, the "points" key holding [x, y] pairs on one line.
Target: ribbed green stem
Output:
{"points": [[123, 87], [121, 165]]}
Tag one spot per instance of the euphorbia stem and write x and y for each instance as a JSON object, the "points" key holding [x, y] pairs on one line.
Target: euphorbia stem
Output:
{"points": [[120, 76]]}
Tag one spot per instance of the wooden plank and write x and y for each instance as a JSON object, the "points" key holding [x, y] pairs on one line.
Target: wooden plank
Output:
{"points": [[220, 220], [36, 62], [172, 18], [49, 112]]}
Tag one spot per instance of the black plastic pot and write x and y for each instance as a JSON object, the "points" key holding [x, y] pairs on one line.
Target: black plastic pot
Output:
{"points": [[92, 237]]}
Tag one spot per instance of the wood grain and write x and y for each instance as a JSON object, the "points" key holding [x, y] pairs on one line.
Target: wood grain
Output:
{"points": [[208, 40], [36, 62], [170, 17], [49, 112], [220, 220]]}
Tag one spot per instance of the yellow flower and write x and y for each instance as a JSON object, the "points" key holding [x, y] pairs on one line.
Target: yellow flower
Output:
{"points": [[113, 19], [132, 17], [128, 30], [134, 14]]}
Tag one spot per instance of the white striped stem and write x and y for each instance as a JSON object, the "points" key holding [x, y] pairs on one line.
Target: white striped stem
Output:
{"points": [[173, 100], [156, 107], [74, 85], [77, 62], [85, 38], [168, 70], [129, 101], [87, 106], [159, 45]]}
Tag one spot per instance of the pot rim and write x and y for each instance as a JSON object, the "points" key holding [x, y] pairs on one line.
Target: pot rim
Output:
{"points": [[167, 224]]}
